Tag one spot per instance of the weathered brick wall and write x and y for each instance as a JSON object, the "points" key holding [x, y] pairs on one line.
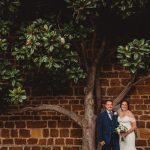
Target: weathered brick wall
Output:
{"points": [[48, 130]]}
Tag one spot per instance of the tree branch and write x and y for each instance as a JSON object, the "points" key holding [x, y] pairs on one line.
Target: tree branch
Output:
{"points": [[93, 43], [125, 91], [141, 79], [100, 52], [78, 119], [84, 56]]}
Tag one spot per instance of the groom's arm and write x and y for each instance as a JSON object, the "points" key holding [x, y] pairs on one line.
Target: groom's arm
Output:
{"points": [[100, 128]]}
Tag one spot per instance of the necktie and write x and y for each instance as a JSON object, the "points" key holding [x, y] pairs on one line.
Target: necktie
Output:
{"points": [[111, 115]]}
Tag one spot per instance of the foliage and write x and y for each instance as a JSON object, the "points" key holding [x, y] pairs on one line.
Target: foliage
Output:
{"points": [[8, 8], [44, 46], [83, 9], [10, 77], [50, 44], [135, 55]]}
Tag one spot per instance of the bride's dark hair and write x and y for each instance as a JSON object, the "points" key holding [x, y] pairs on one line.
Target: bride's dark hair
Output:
{"points": [[128, 104]]}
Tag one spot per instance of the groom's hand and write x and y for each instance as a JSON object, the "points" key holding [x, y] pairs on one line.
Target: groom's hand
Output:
{"points": [[102, 143]]}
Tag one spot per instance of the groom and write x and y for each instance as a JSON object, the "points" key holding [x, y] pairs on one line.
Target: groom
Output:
{"points": [[106, 124]]}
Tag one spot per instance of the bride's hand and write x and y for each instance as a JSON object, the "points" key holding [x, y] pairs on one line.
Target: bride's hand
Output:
{"points": [[124, 134]]}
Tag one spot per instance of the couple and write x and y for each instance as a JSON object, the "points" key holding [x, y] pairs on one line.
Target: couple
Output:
{"points": [[108, 121]]}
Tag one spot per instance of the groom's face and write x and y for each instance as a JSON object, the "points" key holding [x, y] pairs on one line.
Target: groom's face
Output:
{"points": [[109, 105]]}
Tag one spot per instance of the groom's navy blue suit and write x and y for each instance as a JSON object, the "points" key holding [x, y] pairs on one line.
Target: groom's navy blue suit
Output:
{"points": [[105, 129]]}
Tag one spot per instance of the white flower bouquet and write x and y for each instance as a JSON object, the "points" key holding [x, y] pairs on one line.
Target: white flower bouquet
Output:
{"points": [[121, 129]]}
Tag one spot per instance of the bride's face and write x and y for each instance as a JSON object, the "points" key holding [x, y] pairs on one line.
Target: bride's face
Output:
{"points": [[124, 106]]}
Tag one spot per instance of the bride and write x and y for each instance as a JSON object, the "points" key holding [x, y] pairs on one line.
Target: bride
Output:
{"points": [[127, 119]]}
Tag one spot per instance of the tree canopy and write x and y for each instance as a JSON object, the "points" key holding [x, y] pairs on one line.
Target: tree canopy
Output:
{"points": [[41, 36]]}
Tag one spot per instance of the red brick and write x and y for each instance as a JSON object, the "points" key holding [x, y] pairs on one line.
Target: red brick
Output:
{"points": [[77, 141], [36, 124], [74, 102], [20, 124], [32, 141], [52, 124], [16, 148], [14, 118], [36, 148], [147, 82], [136, 101], [46, 148], [147, 101], [114, 91], [64, 124], [42, 141], [56, 148], [1, 124], [103, 91], [145, 117], [8, 141], [124, 75], [109, 75], [143, 90], [45, 132], [50, 141], [76, 133], [107, 68], [54, 133], [64, 133], [118, 68], [75, 125], [114, 82], [24, 133], [64, 102], [69, 141], [125, 81], [5, 133], [141, 124], [59, 141], [14, 133], [148, 125], [141, 143], [136, 112], [26, 148], [104, 82], [20, 141], [3, 148], [9, 125], [140, 107]]}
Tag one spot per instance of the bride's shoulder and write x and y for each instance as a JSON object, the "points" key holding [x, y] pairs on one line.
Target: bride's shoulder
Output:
{"points": [[130, 114]]}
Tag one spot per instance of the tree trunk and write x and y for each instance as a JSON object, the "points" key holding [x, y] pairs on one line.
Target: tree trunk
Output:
{"points": [[89, 125], [89, 135], [90, 117]]}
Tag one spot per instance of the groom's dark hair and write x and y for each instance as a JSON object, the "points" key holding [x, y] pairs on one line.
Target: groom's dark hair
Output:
{"points": [[108, 101]]}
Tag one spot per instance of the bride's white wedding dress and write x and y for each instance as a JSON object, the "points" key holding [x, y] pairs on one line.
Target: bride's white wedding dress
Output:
{"points": [[129, 142]]}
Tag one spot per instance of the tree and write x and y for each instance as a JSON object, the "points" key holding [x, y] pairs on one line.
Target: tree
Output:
{"points": [[55, 44]]}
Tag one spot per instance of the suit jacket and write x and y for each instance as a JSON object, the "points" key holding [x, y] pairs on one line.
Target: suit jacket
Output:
{"points": [[106, 127]]}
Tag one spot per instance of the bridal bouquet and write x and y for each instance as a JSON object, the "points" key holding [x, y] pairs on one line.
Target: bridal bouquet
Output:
{"points": [[121, 129]]}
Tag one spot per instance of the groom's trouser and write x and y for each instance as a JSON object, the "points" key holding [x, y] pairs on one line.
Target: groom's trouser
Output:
{"points": [[110, 147]]}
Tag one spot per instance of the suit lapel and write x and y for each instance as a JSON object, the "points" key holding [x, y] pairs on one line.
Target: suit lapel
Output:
{"points": [[107, 116]]}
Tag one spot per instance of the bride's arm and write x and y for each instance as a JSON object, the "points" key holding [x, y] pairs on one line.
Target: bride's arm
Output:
{"points": [[133, 123], [133, 127]]}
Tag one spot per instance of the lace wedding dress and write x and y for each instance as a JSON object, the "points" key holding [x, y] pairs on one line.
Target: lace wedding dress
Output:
{"points": [[129, 140]]}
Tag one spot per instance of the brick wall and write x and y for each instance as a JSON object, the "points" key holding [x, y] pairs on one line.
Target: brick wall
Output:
{"points": [[49, 130], [46, 130]]}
